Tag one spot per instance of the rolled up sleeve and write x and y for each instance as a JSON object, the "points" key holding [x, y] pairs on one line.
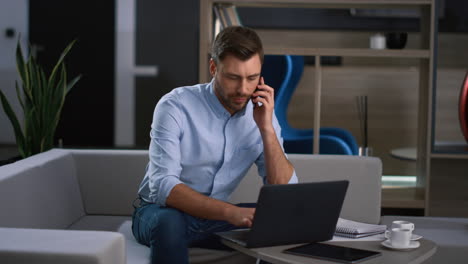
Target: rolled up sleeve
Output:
{"points": [[164, 152], [260, 162]]}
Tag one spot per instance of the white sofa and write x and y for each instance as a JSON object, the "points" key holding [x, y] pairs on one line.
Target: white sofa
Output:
{"points": [[74, 206]]}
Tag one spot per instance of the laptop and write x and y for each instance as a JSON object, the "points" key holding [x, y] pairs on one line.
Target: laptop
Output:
{"points": [[292, 214]]}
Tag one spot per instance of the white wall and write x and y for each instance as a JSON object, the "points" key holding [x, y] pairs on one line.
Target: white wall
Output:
{"points": [[13, 14]]}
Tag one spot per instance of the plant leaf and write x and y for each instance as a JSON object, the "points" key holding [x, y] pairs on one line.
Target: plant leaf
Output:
{"points": [[63, 79], [56, 99], [59, 62], [14, 121], [18, 93], [31, 131], [34, 131], [72, 83], [20, 65], [42, 101], [33, 80]]}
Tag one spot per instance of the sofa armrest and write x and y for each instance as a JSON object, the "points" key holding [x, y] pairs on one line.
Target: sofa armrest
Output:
{"points": [[18, 245]]}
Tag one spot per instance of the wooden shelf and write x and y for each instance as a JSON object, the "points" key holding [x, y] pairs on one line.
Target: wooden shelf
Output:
{"points": [[402, 197], [448, 156], [449, 150], [272, 49], [422, 54], [328, 3], [305, 42], [326, 43]]}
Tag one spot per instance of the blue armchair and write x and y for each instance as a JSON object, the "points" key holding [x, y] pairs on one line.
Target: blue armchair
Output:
{"points": [[283, 73]]}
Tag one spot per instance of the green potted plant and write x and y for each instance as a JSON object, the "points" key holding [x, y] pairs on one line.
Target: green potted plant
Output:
{"points": [[41, 99]]}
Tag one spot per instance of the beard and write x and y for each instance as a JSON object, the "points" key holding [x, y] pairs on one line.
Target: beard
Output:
{"points": [[232, 102]]}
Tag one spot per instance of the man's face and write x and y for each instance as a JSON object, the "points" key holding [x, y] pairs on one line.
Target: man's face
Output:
{"points": [[235, 81]]}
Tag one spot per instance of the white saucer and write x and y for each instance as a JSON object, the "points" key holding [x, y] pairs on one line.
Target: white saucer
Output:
{"points": [[412, 245], [414, 237]]}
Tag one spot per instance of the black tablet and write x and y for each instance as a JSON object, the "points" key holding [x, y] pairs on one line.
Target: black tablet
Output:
{"points": [[332, 252]]}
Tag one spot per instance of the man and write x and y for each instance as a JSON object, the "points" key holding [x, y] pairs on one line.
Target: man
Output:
{"points": [[204, 138]]}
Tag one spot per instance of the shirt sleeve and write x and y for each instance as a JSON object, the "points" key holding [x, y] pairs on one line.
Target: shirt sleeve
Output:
{"points": [[164, 151], [260, 162]]}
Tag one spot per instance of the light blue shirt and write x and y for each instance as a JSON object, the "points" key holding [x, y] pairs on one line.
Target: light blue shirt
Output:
{"points": [[195, 141]]}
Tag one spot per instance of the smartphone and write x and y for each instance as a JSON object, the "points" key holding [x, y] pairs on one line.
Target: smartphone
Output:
{"points": [[333, 252], [259, 82]]}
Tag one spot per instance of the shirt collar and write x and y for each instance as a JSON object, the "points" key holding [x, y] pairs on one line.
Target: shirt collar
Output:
{"points": [[216, 105]]}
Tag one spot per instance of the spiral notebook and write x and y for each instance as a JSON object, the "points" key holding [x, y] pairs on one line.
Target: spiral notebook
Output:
{"points": [[353, 229]]}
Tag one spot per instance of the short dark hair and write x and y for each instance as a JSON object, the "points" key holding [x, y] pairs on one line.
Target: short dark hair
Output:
{"points": [[241, 42]]}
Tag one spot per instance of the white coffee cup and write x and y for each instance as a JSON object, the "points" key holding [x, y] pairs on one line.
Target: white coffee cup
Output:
{"points": [[399, 237], [403, 224]]}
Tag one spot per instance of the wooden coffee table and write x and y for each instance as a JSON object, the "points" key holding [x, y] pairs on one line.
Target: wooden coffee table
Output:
{"points": [[275, 255]]}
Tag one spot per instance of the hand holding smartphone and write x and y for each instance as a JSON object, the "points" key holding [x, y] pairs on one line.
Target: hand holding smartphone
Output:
{"points": [[261, 81]]}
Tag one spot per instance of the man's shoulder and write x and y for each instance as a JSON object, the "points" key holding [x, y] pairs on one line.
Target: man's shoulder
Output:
{"points": [[185, 93]]}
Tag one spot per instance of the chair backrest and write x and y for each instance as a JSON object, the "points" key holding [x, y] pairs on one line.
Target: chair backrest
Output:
{"points": [[283, 72], [342, 134], [328, 145]]}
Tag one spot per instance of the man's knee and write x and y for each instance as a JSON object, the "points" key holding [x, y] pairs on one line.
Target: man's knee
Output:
{"points": [[170, 225]]}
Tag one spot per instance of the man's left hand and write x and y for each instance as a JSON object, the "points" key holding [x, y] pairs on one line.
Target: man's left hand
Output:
{"points": [[263, 113]]}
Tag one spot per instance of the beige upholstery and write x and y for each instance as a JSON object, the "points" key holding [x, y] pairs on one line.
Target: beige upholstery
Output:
{"points": [[93, 190]]}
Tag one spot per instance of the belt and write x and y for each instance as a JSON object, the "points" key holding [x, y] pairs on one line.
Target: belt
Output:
{"points": [[139, 202]]}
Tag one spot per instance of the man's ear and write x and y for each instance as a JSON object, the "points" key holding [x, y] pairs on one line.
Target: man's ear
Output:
{"points": [[212, 67]]}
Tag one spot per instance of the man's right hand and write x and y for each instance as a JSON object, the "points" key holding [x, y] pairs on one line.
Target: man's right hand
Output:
{"points": [[240, 216], [193, 203]]}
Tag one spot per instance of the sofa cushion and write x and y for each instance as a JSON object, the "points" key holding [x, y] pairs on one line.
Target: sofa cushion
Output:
{"points": [[40, 192], [100, 222], [109, 179]]}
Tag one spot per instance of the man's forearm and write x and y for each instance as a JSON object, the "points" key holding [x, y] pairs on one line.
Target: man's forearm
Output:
{"points": [[279, 169], [193, 203], [189, 201]]}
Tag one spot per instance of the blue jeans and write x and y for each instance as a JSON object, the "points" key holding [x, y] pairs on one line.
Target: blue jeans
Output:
{"points": [[170, 232]]}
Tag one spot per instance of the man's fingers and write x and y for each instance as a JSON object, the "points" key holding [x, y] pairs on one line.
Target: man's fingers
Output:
{"points": [[264, 87], [247, 222], [260, 100], [262, 93]]}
